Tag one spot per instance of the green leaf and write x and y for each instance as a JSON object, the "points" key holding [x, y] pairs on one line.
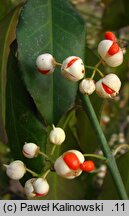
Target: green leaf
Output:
{"points": [[52, 98], [22, 123], [65, 189], [49, 26], [7, 35]]}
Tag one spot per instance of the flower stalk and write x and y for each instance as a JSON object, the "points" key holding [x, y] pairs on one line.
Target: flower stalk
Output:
{"points": [[32, 172], [95, 156]]}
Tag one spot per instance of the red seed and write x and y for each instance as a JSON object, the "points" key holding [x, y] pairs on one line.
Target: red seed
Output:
{"points": [[87, 166], [43, 71], [39, 195], [110, 36], [107, 89], [71, 160], [71, 62], [114, 49]]}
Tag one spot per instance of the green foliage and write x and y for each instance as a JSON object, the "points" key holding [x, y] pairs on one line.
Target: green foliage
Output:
{"points": [[109, 191], [34, 101], [115, 14], [22, 124], [61, 188], [6, 6], [7, 29], [53, 27]]}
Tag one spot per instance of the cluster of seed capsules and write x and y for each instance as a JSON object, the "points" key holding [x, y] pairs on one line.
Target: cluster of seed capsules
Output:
{"points": [[73, 68], [69, 165]]}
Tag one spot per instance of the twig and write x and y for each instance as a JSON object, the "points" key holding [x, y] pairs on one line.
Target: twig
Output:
{"points": [[104, 147]]}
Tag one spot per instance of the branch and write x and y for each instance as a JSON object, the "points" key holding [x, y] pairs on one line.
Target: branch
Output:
{"points": [[111, 163]]}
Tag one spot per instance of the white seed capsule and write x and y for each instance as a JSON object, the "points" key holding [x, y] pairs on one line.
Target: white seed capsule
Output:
{"points": [[28, 188], [103, 47], [87, 86], [45, 63], [114, 60], [111, 60], [30, 150], [36, 187], [62, 169], [73, 68], [109, 86], [57, 135], [15, 170]]}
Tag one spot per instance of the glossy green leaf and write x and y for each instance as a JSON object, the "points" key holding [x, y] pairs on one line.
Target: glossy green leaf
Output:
{"points": [[49, 26], [7, 35], [22, 123], [62, 98]]}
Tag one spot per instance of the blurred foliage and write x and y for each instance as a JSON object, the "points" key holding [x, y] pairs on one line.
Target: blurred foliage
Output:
{"points": [[109, 191], [115, 19], [100, 15], [8, 34], [6, 6]]}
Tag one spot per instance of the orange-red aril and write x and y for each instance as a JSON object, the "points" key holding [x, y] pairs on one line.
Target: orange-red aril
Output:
{"points": [[87, 166], [71, 160]]}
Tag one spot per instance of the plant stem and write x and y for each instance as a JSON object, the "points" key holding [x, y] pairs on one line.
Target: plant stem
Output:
{"points": [[45, 174], [93, 74], [99, 63], [53, 149], [104, 146], [57, 64], [95, 69], [95, 156], [46, 156], [67, 120], [32, 172], [120, 147]]}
